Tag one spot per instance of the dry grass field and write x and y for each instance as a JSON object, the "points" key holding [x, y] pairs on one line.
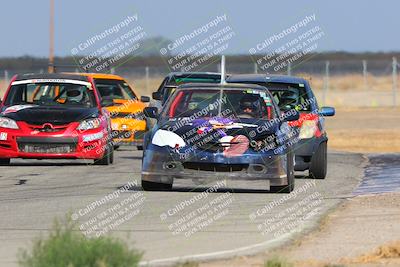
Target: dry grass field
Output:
{"points": [[365, 130]]}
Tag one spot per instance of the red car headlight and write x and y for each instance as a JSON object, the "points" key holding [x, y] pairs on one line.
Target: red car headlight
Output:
{"points": [[89, 124], [8, 123]]}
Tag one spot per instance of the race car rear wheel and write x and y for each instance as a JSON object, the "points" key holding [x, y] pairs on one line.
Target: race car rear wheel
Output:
{"points": [[152, 186], [108, 157], [319, 162], [5, 161], [290, 176]]}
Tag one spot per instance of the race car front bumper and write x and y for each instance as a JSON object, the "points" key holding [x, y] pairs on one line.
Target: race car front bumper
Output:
{"points": [[88, 145], [128, 131], [163, 166]]}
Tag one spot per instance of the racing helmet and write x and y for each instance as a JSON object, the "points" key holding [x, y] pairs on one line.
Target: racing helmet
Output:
{"points": [[74, 95], [252, 102], [289, 98]]}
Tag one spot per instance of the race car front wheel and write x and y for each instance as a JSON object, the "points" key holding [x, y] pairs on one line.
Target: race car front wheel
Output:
{"points": [[319, 162], [108, 157], [290, 176], [4, 162], [152, 186]]}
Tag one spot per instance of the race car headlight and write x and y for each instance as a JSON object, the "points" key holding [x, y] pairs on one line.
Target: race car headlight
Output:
{"points": [[92, 137], [308, 129], [8, 123], [89, 124], [167, 138]]}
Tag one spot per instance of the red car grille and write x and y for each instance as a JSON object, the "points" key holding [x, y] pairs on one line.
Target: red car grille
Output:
{"points": [[47, 145]]}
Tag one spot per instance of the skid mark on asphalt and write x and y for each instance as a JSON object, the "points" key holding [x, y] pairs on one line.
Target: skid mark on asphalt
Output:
{"points": [[21, 182], [382, 175]]}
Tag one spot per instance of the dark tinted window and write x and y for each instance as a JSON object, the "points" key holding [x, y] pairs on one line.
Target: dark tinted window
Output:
{"points": [[111, 90]]}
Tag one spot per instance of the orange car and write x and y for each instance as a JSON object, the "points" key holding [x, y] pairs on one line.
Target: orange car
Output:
{"points": [[127, 120]]}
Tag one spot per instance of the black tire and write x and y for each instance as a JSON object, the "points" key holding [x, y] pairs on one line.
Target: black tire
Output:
{"points": [[112, 155], [290, 174], [5, 162], [152, 186], [139, 147], [107, 158], [319, 162]]}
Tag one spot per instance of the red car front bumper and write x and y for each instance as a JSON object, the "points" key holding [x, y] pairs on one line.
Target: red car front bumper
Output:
{"points": [[60, 143]]}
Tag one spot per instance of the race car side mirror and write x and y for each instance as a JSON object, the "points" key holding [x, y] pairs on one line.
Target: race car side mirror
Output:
{"points": [[293, 115], [156, 96], [327, 111], [145, 99], [151, 112]]}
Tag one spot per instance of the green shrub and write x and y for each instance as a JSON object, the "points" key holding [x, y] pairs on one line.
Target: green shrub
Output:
{"points": [[66, 246], [187, 264], [277, 262]]}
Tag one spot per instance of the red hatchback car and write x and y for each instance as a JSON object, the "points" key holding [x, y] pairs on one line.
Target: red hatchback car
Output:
{"points": [[54, 116]]}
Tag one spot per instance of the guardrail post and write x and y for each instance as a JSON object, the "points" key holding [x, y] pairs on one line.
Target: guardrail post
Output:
{"points": [[365, 73], [326, 82], [394, 80], [6, 77], [147, 78]]}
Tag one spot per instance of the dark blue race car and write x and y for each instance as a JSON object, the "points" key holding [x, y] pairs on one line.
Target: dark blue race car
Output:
{"points": [[208, 132], [295, 93]]}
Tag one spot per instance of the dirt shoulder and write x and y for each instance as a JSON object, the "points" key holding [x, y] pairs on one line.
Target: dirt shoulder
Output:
{"points": [[353, 233], [363, 231]]}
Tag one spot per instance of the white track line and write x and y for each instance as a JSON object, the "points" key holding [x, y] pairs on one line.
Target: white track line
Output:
{"points": [[214, 255]]}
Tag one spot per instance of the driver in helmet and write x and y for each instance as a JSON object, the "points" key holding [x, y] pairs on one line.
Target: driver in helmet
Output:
{"points": [[249, 106], [289, 99]]}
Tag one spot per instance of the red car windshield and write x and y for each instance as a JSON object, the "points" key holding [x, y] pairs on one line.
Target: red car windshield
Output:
{"points": [[248, 103], [51, 94]]}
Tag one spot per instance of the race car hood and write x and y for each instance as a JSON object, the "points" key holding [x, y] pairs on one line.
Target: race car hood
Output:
{"points": [[38, 115], [229, 137], [254, 129], [126, 106]]}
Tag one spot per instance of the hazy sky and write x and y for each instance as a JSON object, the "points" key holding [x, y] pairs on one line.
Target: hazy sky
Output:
{"points": [[348, 25]]}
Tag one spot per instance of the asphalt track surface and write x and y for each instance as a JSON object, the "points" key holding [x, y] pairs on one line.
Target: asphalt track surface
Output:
{"points": [[206, 226], [382, 175]]}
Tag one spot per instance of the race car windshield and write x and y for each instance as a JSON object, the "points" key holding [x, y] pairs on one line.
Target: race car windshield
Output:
{"points": [[51, 94], [111, 90], [251, 104], [288, 96]]}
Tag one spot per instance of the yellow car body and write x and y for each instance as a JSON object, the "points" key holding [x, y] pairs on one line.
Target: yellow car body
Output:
{"points": [[127, 120]]}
